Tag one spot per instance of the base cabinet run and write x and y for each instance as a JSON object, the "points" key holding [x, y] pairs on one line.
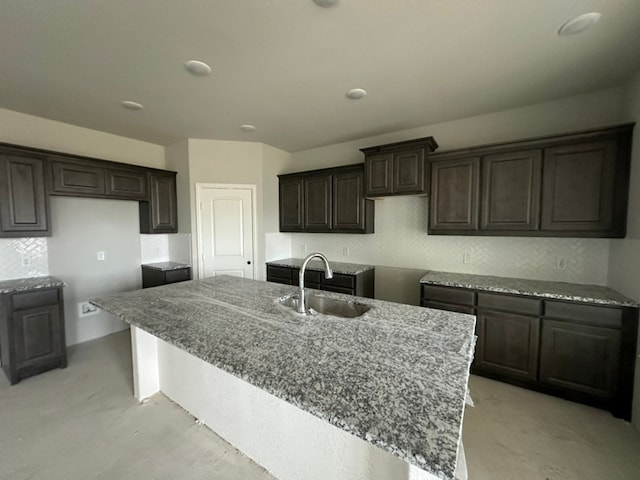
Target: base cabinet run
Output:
{"points": [[582, 352], [361, 284], [32, 335]]}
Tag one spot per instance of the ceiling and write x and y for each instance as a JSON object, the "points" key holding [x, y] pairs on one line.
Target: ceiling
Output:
{"points": [[285, 66]]}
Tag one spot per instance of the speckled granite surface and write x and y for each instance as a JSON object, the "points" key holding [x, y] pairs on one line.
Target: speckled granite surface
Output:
{"points": [[19, 284], [337, 267], [538, 288], [396, 377], [165, 266]]}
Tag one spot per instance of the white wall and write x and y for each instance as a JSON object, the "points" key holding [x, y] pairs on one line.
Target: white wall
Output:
{"points": [[401, 222], [624, 264], [84, 227]]}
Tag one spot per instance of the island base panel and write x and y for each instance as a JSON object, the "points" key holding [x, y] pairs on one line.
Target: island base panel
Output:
{"points": [[287, 441]]}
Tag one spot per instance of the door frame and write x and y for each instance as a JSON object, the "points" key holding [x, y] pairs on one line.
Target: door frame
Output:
{"points": [[200, 188]]}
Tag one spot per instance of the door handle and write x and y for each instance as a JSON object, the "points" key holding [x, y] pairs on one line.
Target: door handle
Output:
{"points": [[248, 262]]}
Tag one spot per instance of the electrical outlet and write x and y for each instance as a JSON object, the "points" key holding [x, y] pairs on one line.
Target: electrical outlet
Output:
{"points": [[86, 309], [100, 256], [466, 257], [561, 264], [303, 247], [345, 251], [26, 262]]}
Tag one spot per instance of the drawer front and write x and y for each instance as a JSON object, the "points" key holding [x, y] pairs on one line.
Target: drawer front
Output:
{"points": [[123, 184], [448, 294], [589, 314], [509, 303], [312, 279], [77, 179], [279, 274], [450, 307], [178, 275], [340, 280], [34, 298], [337, 289]]}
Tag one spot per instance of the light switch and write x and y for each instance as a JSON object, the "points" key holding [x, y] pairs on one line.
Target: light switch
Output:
{"points": [[100, 256]]}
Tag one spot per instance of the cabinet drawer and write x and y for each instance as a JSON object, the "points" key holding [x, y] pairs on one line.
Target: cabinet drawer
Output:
{"points": [[124, 184], [34, 298], [590, 314], [178, 275], [448, 294], [77, 179], [279, 274], [510, 303], [340, 280], [450, 307], [311, 278]]}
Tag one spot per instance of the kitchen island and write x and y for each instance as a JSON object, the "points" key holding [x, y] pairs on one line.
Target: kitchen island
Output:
{"points": [[377, 396]]}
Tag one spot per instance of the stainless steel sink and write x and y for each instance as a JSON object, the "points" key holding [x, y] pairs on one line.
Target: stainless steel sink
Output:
{"points": [[326, 306]]}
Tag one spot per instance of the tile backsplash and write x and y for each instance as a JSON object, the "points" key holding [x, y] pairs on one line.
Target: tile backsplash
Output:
{"points": [[23, 257], [401, 240]]}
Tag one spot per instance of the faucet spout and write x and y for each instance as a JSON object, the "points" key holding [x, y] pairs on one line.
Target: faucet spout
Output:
{"points": [[302, 307]]}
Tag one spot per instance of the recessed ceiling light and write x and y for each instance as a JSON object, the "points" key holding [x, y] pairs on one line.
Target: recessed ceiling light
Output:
{"points": [[247, 128], [356, 93], [325, 3], [197, 67], [130, 105], [578, 24]]}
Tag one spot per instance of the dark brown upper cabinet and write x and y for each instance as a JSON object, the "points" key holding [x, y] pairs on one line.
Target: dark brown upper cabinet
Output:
{"points": [[580, 187], [454, 195], [398, 168], [24, 205], [510, 195], [573, 185], [291, 203], [160, 213], [329, 200], [317, 203], [29, 175]]}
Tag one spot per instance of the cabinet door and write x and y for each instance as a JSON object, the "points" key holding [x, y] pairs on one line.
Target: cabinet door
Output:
{"points": [[317, 203], [581, 358], [454, 195], [77, 179], [511, 190], [24, 207], [507, 344], [378, 171], [38, 337], [349, 204], [127, 185], [160, 213], [579, 187], [409, 171], [291, 204]]}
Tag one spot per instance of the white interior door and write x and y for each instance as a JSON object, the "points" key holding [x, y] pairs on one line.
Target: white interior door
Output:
{"points": [[226, 232]]}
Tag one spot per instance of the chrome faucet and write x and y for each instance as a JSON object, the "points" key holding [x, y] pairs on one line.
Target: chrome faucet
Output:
{"points": [[302, 306]]}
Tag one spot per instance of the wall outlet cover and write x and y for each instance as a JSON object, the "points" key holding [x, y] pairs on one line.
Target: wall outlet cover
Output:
{"points": [[85, 309]]}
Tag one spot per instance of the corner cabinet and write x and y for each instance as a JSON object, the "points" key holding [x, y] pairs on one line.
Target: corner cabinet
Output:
{"points": [[24, 204], [579, 351], [398, 168], [325, 201], [567, 185], [32, 333], [160, 213]]}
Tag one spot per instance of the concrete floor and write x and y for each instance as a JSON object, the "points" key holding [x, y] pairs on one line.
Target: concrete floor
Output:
{"points": [[82, 422]]}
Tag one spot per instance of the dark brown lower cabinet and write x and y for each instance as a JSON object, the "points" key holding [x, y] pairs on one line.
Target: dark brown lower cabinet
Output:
{"points": [[32, 333], [579, 351], [361, 284]]}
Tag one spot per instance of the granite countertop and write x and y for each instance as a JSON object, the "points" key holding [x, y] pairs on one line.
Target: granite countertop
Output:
{"points": [[538, 288], [395, 377], [165, 266], [315, 264], [31, 283]]}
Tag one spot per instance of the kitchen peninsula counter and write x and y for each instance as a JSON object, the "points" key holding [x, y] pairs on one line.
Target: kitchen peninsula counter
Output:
{"points": [[395, 377]]}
